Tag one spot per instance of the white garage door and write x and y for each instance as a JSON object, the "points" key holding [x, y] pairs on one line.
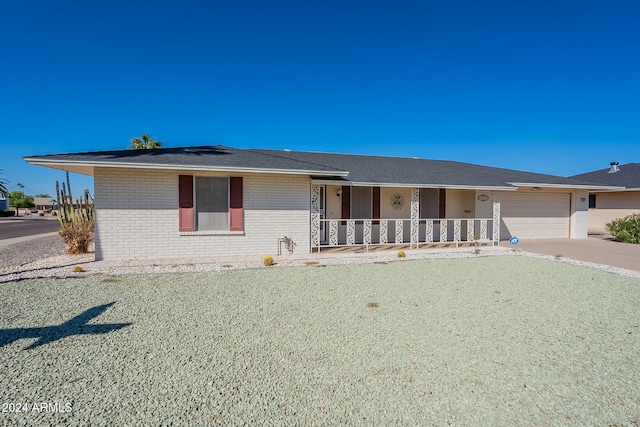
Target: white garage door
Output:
{"points": [[535, 215]]}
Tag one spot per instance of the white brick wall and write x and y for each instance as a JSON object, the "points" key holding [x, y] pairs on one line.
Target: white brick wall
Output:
{"points": [[137, 216]]}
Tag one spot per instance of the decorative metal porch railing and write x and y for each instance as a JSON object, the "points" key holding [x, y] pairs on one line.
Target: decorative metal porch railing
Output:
{"points": [[365, 232]]}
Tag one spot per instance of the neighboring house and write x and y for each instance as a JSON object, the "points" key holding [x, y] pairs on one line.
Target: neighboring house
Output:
{"points": [[46, 204], [218, 201], [607, 205]]}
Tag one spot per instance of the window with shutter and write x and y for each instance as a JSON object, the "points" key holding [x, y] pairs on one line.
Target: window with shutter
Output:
{"points": [[210, 203]]}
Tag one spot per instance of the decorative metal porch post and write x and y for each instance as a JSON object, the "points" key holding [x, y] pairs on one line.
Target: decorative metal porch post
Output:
{"points": [[415, 215], [496, 218], [315, 216]]}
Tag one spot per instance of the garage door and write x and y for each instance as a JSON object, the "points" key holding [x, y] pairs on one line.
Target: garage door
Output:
{"points": [[535, 215]]}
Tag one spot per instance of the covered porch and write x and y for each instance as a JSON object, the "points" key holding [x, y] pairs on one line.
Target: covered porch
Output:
{"points": [[370, 216]]}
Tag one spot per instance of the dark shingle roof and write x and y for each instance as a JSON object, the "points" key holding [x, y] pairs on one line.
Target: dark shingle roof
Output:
{"points": [[205, 157], [348, 168], [406, 171], [628, 176]]}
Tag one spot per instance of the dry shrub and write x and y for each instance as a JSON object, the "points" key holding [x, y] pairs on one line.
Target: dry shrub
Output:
{"points": [[78, 269], [77, 236], [373, 305], [401, 254], [311, 262], [267, 261]]}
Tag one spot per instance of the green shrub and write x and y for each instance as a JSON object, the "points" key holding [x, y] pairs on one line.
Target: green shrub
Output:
{"points": [[8, 212], [626, 229]]}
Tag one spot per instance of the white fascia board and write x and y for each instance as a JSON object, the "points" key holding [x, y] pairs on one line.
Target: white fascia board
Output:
{"points": [[330, 182], [569, 186], [62, 164], [616, 190], [422, 185]]}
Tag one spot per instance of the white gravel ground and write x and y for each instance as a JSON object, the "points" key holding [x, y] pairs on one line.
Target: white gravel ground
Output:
{"points": [[501, 340], [45, 258]]}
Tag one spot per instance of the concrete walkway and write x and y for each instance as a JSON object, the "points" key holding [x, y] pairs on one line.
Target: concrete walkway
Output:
{"points": [[6, 242], [592, 249]]}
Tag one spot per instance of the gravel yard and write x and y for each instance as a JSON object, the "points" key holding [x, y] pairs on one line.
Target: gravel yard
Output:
{"points": [[505, 340], [26, 252]]}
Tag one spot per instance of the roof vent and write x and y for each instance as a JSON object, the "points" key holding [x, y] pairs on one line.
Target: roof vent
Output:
{"points": [[614, 167]]}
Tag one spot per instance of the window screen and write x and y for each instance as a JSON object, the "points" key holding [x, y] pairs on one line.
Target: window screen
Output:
{"points": [[212, 203], [361, 202], [429, 203]]}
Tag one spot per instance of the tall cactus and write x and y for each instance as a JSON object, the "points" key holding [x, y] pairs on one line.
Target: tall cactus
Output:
{"points": [[76, 226]]}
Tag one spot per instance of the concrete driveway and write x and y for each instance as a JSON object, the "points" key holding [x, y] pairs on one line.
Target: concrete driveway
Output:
{"points": [[592, 249]]}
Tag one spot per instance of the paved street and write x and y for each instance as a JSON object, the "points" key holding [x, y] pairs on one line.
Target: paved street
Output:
{"points": [[19, 227]]}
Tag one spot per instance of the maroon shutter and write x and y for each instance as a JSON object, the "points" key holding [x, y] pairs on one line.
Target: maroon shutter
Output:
{"points": [[236, 212], [346, 203], [376, 204], [185, 203], [442, 206]]}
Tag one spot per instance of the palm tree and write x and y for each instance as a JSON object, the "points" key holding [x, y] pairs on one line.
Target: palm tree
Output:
{"points": [[21, 187], [144, 142], [3, 190]]}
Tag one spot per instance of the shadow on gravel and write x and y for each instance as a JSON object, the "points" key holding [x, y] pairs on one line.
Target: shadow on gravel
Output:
{"points": [[3, 275], [76, 326], [24, 279]]}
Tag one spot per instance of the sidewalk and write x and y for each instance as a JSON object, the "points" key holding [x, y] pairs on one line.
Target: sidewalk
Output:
{"points": [[6, 242]]}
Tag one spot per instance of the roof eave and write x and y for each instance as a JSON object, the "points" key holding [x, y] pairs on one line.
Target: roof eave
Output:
{"points": [[568, 186], [57, 164], [417, 185], [618, 189]]}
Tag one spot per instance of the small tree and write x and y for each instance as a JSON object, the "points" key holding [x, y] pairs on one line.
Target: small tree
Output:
{"points": [[626, 229], [144, 142], [18, 200]]}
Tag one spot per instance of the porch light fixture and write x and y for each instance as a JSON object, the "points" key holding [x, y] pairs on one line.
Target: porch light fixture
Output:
{"points": [[614, 167], [483, 197], [339, 192]]}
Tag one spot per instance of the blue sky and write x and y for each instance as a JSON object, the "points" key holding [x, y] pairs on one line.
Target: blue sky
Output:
{"points": [[544, 86]]}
